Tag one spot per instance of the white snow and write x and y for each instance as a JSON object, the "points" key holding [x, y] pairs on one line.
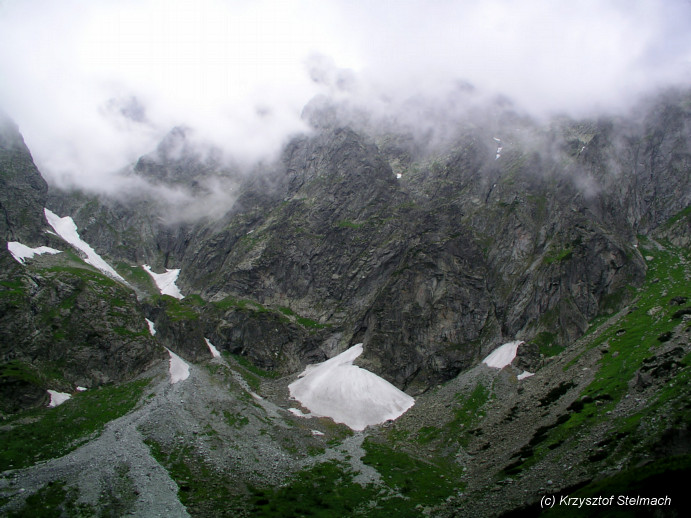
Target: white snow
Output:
{"points": [[179, 370], [503, 355], [525, 374], [298, 412], [166, 281], [348, 394], [81, 389], [499, 147], [152, 328], [317, 433], [21, 252], [399, 176], [66, 229], [57, 398], [214, 351]]}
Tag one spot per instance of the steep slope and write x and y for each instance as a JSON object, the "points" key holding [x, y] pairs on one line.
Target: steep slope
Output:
{"points": [[63, 324], [22, 188]]}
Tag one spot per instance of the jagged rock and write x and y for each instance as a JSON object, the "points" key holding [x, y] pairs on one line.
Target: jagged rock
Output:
{"points": [[429, 270], [528, 357], [23, 190]]}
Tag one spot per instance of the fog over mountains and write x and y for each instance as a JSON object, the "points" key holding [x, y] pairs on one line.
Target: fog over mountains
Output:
{"points": [[95, 85]]}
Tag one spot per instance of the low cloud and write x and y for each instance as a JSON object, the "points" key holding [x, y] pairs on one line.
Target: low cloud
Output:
{"points": [[96, 84]]}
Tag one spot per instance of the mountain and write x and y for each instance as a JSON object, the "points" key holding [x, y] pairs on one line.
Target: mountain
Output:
{"points": [[567, 239]]}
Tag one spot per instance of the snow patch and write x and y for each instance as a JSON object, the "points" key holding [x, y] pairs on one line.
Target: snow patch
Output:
{"points": [[525, 374], [81, 389], [166, 281], [57, 398], [503, 355], [21, 252], [317, 433], [398, 176], [348, 394], [66, 229], [499, 147], [298, 412], [179, 370], [214, 351], [152, 328]]}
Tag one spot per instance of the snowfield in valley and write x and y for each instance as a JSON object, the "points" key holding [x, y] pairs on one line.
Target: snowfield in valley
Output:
{"points": [[166, 281], [349, 394]]}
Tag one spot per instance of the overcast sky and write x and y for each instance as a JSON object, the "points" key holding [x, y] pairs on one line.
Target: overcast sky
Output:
{"points": [[93, 84]]}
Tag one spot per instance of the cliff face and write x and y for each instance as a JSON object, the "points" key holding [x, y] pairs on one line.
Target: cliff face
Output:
{"points": [[23, 190], [526, 232], [62, 324]]}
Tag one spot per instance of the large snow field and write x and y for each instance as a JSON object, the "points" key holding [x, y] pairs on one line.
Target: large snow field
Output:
{"points": [[347, 393], [67, 229]]}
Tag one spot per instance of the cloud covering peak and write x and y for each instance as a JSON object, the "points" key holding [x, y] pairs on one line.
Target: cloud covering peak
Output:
{"points": [[96, 84]]}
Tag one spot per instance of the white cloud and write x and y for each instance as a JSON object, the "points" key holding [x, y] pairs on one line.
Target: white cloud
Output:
{"points": [[95, 84]]}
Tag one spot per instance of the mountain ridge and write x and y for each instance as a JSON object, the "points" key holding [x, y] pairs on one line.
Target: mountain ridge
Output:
{"points": [[572, 238]]}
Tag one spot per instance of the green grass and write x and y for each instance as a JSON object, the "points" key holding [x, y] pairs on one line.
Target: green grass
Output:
{"points": [[468, 413], [248, 365], [309, 323], [53, 500], [252, 374], [241, 304], [46, 433], [654, 480], [349, 224], [419, 481], [633, 340], [303, 321], [235, 420], [12, 289], [546, 342], [84, 274], [178, 309], [203, 491], [22, 371], [558, 256], [137, 276], [325, 490]]}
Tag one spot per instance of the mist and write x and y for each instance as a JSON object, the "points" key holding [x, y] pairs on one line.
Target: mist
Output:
{"points": [[96, 84]]}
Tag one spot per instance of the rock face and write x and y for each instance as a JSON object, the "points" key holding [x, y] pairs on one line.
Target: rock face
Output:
{"points": [[62, 324], [22, 188], [431, 270]]}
